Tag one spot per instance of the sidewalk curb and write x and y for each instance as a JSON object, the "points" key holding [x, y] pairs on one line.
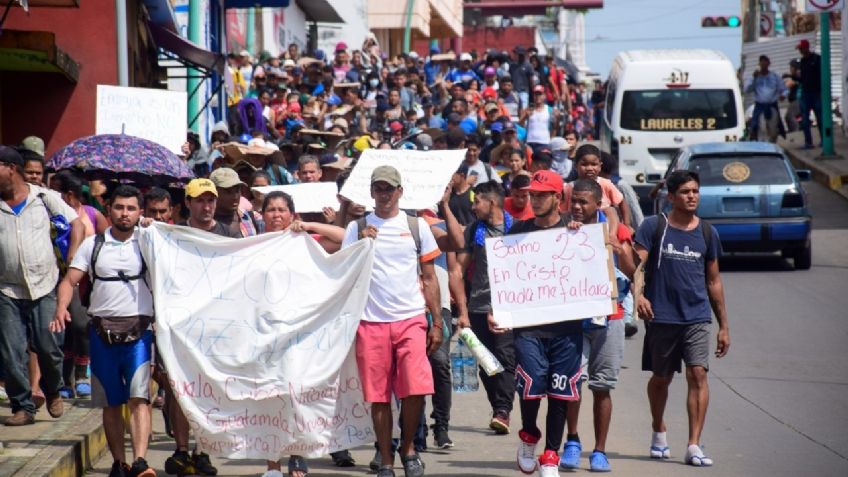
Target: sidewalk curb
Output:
{"points": [[75, 446], [821, 172]]}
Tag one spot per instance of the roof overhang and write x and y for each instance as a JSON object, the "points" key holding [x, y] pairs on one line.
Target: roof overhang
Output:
{"points": [[319, 11], [528, 7], [162, 13], [53, 3], [187, 52], [256, 3], [35, 51]]}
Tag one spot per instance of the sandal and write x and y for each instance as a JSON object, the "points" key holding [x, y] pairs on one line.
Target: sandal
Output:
{"points": [[412, 465], [660, 452], [571, 455], [343, 458], [298, 464], [598, 462]]}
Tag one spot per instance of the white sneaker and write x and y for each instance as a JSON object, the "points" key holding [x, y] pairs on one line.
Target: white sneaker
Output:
{"points": [[526, 456], [273, 473], [695, 456], [549, 464]]}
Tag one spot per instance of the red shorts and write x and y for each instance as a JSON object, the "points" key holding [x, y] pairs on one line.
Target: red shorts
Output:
{"points": [[392, 357]]}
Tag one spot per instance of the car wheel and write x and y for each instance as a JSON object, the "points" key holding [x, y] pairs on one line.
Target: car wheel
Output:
{"points": [[804, 257]]}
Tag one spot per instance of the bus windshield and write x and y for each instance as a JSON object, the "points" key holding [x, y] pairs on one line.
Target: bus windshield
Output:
{"points": [[678, 110]]}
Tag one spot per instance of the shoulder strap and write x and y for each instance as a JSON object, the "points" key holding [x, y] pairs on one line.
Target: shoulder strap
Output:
{"points": [[656, 245], [707, 230], [46, 205], [488, 170], [99, 239], [416, 233]]}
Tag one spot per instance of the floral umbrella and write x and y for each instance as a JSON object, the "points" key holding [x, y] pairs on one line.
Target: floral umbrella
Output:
{"points": [[118, 156]]}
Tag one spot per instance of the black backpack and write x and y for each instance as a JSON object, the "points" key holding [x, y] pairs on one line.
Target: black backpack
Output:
{"points": [[85, 295]]}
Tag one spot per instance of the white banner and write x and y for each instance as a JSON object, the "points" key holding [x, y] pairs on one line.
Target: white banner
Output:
{"points": [[424, 175], [256, 335], [550, 276], [308, 197], [157, 115]]}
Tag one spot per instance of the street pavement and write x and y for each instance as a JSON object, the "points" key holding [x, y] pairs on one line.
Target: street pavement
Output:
{"points": [[778, 403]]}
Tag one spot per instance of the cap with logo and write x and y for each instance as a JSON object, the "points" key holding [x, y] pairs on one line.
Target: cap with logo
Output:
{"points": [[545, 181], [387, 174], [198, 187], [224, 178]]}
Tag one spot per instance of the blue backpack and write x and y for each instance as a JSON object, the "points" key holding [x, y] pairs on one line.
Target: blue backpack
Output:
{"points": [[60, 235]]}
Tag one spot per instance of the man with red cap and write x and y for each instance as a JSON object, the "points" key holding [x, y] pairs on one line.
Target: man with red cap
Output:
{"points": [[547, 357], [809, 75]]}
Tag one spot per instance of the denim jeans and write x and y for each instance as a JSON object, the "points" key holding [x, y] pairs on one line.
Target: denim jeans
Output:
{"points": [[810, 102], [22, 323], [440, 362]]}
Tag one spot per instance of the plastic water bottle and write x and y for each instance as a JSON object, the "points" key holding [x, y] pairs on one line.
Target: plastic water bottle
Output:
{"points": [[485, 358], [463, 369]]}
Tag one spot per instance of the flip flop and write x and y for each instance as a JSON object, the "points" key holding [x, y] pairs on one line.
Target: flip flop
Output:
{"points": [[298, 464], [660, 452]]}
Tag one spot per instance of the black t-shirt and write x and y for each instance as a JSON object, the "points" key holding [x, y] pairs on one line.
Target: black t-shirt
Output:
{"points": [[460, 205], [811, 74], [218, 229], [480, 296], [551, 330]]}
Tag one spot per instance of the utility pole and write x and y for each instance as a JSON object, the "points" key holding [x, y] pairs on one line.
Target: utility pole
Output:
{"points": [[827, 112]]}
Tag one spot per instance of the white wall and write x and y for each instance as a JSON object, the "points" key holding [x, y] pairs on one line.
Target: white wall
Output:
{"points": [[352, 31], [281, 26]]}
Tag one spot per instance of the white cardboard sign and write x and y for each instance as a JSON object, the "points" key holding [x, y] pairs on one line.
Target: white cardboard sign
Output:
{"points": [[424, 175], [154, 114], [307, 197], [550, 276]]}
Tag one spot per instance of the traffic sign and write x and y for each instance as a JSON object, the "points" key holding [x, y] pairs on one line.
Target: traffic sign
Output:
{"points": [[821, 6], [766, 24]]}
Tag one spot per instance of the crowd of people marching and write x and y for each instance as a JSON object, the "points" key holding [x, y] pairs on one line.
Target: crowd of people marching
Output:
{"points": [[521, 119]]}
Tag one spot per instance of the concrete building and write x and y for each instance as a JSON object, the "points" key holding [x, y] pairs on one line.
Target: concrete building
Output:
{"points": [[430, 19]]}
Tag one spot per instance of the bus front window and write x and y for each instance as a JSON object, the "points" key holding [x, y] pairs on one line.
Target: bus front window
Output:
{"points": [[678, 110]]}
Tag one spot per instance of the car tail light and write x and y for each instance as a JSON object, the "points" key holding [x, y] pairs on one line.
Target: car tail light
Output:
{"points": [[792, 199]]}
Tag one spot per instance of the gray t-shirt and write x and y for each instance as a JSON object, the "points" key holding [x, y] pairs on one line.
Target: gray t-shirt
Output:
{"points": [[480, 299]]}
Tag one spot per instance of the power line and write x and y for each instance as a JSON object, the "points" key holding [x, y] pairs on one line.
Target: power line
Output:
{"points": [[659, 38], [651, 18]]}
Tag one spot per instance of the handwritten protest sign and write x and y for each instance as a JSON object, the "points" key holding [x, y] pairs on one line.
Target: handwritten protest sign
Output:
{"points": [[424, 174], [154, 114], [239, 324], [550, 276], [308, 197]]}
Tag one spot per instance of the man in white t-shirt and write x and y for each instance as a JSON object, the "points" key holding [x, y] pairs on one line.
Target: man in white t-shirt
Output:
{"points": [[120, 336], [393, 341]]}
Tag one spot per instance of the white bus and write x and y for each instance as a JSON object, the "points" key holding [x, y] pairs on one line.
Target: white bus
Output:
{"points": [[660, 100]]}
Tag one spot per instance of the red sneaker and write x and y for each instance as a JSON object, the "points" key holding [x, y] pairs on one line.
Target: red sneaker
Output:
{"points": [[549, 464]]}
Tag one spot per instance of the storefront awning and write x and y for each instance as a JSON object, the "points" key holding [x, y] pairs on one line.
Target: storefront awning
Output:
{"points": [[319, 11], [162, 13], [187, 52], [35, 51]]}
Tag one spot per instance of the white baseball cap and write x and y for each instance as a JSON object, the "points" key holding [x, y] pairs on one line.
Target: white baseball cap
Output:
{"points": [[465, 57]]}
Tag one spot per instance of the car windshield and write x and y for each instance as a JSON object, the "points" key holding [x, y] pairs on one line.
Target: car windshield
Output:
{"points": [[740, 170], [678, 110]]}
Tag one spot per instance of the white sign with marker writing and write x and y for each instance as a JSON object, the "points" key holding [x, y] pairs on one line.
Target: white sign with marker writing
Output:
{"points": [[550, 276], [239, 325], [307, 197], [157, 115], [424, 175]]}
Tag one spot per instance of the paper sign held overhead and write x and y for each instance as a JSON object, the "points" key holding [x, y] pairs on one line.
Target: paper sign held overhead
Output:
{"points": [[550, 276], [424, 175], [153, 114], [307, 197]]}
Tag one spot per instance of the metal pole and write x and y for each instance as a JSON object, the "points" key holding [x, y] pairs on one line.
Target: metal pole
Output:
{"points": [[827, 113], [250, 35], [195, 35], [123, 47], [407, 31]]}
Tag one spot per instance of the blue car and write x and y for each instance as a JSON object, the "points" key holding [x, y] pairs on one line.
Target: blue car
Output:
{"points": [[753, 196]]}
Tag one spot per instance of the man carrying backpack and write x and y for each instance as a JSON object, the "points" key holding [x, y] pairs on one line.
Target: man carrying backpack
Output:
{"points": [[121, 309], [682, 284]]}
